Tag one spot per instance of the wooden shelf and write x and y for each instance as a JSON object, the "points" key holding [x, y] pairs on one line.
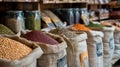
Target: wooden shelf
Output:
{"points": [[63, 1], [97, 4], [105, 17], [92, 19], [20, 1]]}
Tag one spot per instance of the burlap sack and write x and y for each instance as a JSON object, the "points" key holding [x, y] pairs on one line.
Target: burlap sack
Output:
{"points": [[95, 48], [117, 46], [77, 54], [54, 55], [108, 44], [28, 61]]}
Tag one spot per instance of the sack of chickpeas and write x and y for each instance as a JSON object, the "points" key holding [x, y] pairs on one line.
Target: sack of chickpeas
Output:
{"points": [[95, 48], [18, 52], [77, 54], [53, 46], [108, 44]]}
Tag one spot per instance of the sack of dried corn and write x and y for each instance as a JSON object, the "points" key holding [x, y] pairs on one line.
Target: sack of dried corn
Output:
{"points": [[108, 44], [95, 48], [77, 55], [18, 52]]}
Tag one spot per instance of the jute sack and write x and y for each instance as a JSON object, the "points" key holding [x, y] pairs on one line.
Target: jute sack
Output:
{"points": [[54, 55], [117, 46], [77, 54], [95, 48], [108, 44], [27, 61]]}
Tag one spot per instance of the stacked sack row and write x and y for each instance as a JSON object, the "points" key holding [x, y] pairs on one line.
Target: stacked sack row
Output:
{"points": [[74, 46]]}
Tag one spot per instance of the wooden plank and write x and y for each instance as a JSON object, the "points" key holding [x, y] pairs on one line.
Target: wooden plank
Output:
{"points": [[21, 0]]}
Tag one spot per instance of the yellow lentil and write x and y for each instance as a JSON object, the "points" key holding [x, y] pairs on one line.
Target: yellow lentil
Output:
{"points": [[12, 50]]}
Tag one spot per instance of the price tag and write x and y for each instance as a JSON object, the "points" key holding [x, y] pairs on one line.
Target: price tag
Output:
{"points": [[111, 43], [62, 62], [99, 49]]}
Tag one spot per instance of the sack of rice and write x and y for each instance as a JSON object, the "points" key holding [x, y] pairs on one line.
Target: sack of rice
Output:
{"points": [[108, 44], [18, 52], [53, 46], [77, 55]]}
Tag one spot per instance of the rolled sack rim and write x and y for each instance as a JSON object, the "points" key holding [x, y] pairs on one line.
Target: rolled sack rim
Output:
{"points": [[32, 56]]}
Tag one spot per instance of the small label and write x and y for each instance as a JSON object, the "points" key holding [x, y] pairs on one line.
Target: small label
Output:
{"points": [[51, 25], [99, 49], [62, 62], [59, 24], [111, 43], [84, 59]]}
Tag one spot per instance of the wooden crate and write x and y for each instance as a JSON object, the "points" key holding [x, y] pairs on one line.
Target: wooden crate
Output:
{"points": [[61, 1], [48, 1]]}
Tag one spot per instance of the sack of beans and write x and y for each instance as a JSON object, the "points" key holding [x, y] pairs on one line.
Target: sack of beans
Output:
{"points": [[95, 48], [108, 44], [18, 52], [94, 45], [77, 55], [53, 46]]}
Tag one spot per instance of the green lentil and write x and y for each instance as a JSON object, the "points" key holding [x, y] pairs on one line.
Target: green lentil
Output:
{"points": [[65, 32], [5, 30], [95, 25]]}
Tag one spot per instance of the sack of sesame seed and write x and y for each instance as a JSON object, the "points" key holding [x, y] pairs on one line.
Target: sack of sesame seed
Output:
{"points": [[77, 54], [18, 52]]}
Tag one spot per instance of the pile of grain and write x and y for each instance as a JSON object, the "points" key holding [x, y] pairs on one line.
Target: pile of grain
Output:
{"points": [[38, 36], [64, 31], [12, 50], [5, 30]]}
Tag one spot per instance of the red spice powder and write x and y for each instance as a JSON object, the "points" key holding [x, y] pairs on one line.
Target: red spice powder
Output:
{"points": [[38, 36]]}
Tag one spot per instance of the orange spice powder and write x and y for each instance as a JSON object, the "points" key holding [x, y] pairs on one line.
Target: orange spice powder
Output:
{"points": [[80, 27]]}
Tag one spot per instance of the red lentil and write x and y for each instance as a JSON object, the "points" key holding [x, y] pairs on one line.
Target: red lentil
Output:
{"points": [[38, 36]]}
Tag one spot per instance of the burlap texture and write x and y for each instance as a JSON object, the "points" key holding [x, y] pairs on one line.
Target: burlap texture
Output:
{"points": [[29, 60], [95, 48], [108, 44], [77, 55], [54, 55]]}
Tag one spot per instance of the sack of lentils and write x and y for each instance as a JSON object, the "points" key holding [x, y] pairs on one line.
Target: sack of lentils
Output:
{"points": [[108, 43], [18, 52], [77, 55], [53, 46], [5, 30], [94, 44]]}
